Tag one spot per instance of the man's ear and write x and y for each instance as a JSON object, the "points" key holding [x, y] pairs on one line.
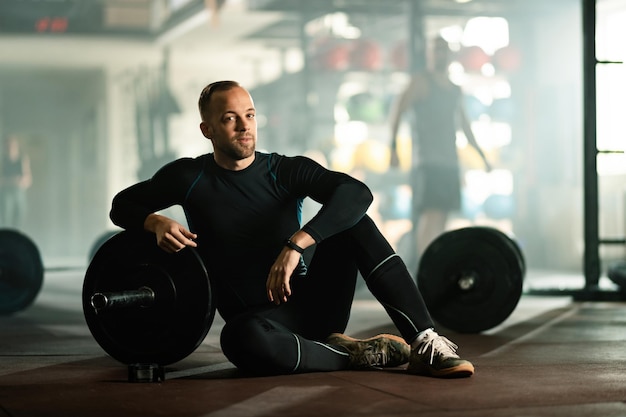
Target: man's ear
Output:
{"points": [[207, 132]]}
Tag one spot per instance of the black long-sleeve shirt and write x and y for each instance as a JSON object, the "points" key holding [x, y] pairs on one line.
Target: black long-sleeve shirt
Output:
{"points": [[242, 218]]}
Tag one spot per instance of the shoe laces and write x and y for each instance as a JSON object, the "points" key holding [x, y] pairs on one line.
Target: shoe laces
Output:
{"points": [[438, 345], [375, 357]]}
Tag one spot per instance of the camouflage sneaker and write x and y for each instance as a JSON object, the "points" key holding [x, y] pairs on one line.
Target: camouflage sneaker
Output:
{"points": [[436, 356], [384, 350]]}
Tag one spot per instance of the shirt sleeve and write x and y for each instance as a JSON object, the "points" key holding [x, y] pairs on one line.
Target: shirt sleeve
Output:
{"points": [[166, 188], [344, 199]]}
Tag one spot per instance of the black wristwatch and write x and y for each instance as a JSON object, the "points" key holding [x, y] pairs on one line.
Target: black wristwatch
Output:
{"points": [[293, 246]]}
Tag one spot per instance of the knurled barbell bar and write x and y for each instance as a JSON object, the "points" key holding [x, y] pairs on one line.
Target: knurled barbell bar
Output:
{"points": [[141, 297]]}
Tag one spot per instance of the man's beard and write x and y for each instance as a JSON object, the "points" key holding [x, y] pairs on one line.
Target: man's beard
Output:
{"points": [[238, 152]]}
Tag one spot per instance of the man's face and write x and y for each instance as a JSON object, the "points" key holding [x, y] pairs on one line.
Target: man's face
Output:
{"points": [[231, 124]]}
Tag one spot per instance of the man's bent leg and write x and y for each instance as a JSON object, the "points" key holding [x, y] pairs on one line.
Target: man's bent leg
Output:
{"points": [[391, 283], [321, 301], [261, 346]]}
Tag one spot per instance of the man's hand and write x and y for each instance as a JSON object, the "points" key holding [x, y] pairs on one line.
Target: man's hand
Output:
{"points": [[277, 285], [171, 236]]}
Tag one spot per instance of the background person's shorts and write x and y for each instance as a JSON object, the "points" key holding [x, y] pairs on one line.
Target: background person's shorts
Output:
{"points": [[436, 187]]}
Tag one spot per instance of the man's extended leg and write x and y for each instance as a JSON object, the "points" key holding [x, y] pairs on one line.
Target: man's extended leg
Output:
{"points": [[263, 346]]}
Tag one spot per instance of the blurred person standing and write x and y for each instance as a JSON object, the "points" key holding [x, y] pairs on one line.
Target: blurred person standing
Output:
{"points": [[435, 178], [16, 179]]}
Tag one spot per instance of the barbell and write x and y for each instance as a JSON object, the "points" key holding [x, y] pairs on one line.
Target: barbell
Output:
{"points": [[471, 278], [21, 271], [144, 306]]}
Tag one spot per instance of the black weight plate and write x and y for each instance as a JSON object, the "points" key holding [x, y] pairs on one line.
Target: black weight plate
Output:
{"points": [[511, 242], [617, 273], [100, 241], [489, 256], [183, 311], [21, 271]]}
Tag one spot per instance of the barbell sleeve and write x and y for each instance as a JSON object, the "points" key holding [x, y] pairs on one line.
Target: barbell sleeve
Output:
{"points": [[141, 297]]}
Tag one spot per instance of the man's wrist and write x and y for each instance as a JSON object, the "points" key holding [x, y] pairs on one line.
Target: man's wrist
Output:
{"points": [[150, 222], [291, 245]]}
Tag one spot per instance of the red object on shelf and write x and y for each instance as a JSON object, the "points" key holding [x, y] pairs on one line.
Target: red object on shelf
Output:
{"points": [[399, 56], [473, 58], [330, 55], [508, 58], [366, 55]]}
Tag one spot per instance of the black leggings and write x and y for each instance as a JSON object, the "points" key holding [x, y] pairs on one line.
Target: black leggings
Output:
{"points": [[288, 338]]}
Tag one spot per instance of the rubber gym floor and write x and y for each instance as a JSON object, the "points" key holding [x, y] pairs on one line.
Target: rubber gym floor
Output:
{"points": [[552, 357]]}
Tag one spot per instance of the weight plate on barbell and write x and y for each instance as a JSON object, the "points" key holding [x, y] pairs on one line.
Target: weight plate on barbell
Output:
{"points": [[616, 272], [471, 278], [100, 241], [174, 325], [511, 242], [21, 271]]}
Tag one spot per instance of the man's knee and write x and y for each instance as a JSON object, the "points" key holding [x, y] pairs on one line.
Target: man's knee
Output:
{"points": [[238, 333], [249, 341]]}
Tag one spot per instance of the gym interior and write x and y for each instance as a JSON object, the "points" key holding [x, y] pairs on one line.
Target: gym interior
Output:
{"points": [[100, 94]]}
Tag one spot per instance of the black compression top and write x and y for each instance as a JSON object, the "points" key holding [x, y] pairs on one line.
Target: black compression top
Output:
{"points": [[242, 218]]}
